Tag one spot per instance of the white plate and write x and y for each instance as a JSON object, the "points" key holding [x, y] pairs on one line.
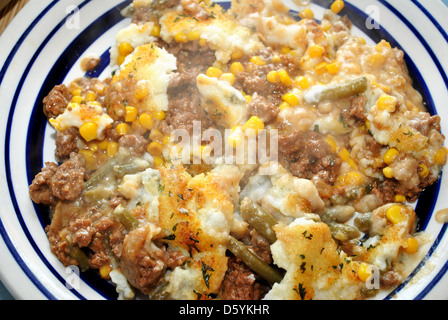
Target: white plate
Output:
{"points": [[42, 47]]}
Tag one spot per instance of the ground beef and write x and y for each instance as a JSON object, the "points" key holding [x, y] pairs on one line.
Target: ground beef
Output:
{"points": [[136, 144], [240, 282], [255, 82], [259, 106], [358, 109], [68, 181], [427, 124], [184, 101], [66, 143], [56, 101], [40, 189], [144, 264], [119, 95], [307, 155]]}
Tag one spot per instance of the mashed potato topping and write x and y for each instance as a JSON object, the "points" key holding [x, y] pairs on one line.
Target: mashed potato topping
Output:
{"points": [[329, 217]]}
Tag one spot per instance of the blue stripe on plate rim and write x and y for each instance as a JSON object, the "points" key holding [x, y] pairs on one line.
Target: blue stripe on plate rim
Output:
{"points": [[358, 12], [114, 13]]}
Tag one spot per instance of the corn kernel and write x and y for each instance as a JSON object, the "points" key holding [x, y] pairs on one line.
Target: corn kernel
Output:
{"points": [[130, 114], [105, 271], [353, 178], [155, 148], [399, 198], [276, 59], [156, 135], [248, 97], [344, 154], [303, 82], [368, 125], [228, 77], [330, 140], [112, 149], [76, 92], [237, 54], [158, 161], [376, 59], [412, 246], [146, 120], [88, 131], [337, 6], [159, 115], [352, 163], [259, 61], [440, 156], [390, 155], [326, 26], [213, 72], [181, 37], [166, 140], [93, 146], [284, 105], [387, 103], [381, 45], [77, 99], [284, 77], [362, 40], [395, 215], [193, 36], [125, 48], [423, 171], [306, 14], [388, 173], [333, 68], [285, 50], [316, 51], [141, 93], [321, 68], [236, 138], [155, 32], [99, 88], [91, 96], [236, 67], [103, 144], [254, 123], [363, 272], [273, 77], [120, 59], [203, 42], [291, 99], [122, 129], [90, 159]]}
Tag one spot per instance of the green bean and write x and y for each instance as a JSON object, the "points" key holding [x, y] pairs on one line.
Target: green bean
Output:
{"points": [[77, 254], [343, 232], [102, 173], [257, 265], [338, 91], [126, 218], [363, 222], [338, 213], [122, 170], [261, 220]]}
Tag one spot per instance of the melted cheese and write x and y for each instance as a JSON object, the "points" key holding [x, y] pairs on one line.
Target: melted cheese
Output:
{"points": [[222, 102], [197, 215], [75, 115], [151, 66], [222, 33], [315, 269]]}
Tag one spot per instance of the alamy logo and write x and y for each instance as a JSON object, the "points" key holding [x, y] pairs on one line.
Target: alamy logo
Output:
{"points": [[240, 147]]}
